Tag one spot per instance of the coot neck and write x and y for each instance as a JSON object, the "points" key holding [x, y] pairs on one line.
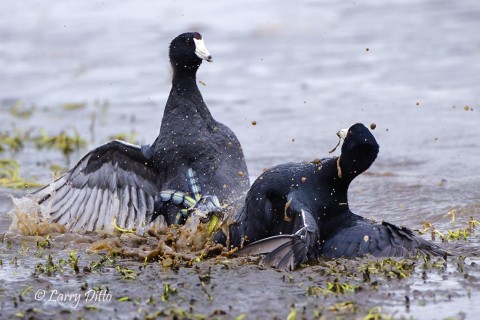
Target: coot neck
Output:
{"points": [[185, 97], [185, 78], [356, 161]]}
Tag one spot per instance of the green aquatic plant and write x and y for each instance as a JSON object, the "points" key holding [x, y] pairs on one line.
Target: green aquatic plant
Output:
{"points": [[127, 137], [10, 175], [14, 141], [15, 261], [19, 109], [63, 142], [454, 235], [429, 264], [334, 287], [73, 106], [343, 307], [242, 316], [24, 292], [375, 313], [451, 235], [292, 315], [99, 265], [24, 248], [168, 291], [57, 170], [45, 243], [472, 223], [49, 267], [391, 268], [62, 263], [180, 313], [73, 260], [428, 227], [128, 274]]}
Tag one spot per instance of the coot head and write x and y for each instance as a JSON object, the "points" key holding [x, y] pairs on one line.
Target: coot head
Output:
{"points": [[357, 136], [359, 151], [187, 52]]}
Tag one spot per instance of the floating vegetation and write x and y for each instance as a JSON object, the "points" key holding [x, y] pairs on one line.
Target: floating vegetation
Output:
{"points": [[168, 291], [375, 313], [391, 268], [21, 111], [105, 260], [13, 141], [334, 287], [10, 175], [292, 315], [171, 246], [127, 137], [63, 142], [127, 274], [73, 260], [451, 235], [45, 243], [57, 170], [74, 106], [343, 307]]}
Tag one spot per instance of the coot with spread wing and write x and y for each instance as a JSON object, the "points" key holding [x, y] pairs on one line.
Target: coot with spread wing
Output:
{"points": [[123, 181]]}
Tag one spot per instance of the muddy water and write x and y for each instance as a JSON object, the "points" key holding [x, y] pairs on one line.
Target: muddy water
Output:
{"points": [[301, 70]]}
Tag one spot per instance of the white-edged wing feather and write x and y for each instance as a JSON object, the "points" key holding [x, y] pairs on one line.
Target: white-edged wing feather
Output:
{"points": [[114, 180]]}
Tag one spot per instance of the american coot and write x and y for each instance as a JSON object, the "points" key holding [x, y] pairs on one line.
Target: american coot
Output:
{"points": [[299, 211], [124, 181]]}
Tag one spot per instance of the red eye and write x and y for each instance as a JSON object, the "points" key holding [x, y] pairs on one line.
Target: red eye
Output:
{"points": [[197, 36]]}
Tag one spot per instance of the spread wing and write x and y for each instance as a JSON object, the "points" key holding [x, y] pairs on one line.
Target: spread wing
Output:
{"points": [[286, 251], [115, 180], [283, 252], [378, 239]]}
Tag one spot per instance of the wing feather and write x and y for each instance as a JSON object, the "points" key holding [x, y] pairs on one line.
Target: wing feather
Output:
{"points": [[63, 198], [101, 222], [64, 209], [378, 239], [92, 211], [123, 210], [114, 179], [78, 209], [134, 200]]}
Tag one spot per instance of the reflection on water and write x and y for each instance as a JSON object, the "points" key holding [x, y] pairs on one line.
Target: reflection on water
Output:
{"points": [[301, 70]]}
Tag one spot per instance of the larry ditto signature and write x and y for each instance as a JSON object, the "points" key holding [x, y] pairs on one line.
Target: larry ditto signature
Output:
{"points": [[73, 299]]}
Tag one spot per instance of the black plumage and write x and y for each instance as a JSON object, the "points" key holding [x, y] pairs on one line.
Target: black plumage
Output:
{"points": [[299, 211], [123, 181]]}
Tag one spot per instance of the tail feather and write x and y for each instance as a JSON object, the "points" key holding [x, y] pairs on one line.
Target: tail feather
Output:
{"points": [[413, 244]]}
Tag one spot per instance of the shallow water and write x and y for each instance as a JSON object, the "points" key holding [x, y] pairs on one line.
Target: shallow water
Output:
{"points": [[302, 71]]}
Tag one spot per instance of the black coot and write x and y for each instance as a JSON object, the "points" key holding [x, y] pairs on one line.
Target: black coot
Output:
{"points": [[299, 211], [122, 181]]}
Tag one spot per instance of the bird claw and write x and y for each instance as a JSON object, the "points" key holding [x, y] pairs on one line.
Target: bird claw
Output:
{"points": [[207, 207], [203, 206]]}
